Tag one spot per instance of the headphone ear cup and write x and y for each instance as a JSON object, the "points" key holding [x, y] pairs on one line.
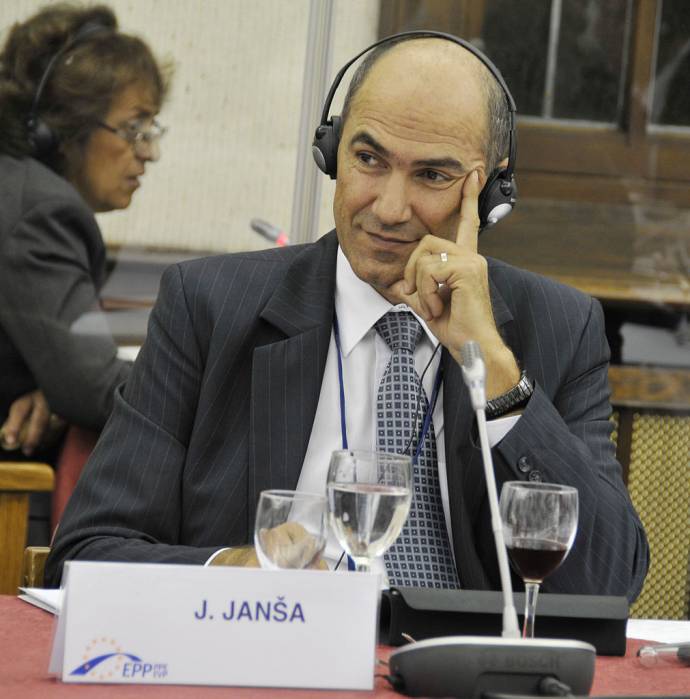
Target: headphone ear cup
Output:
{"points": [[324, 148], [42, 138], [497, 198]]}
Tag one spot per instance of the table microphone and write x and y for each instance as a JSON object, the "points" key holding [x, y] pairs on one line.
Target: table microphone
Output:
{"points": [[474, 374], [270, 232], [469, 666]]}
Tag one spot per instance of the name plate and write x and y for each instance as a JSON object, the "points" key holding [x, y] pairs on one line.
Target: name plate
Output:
{"points": [[180, 624]]}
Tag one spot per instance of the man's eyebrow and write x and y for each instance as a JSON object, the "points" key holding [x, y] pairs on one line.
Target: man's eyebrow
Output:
{"points": [[447, 163], [444, 163], [368, 140]]}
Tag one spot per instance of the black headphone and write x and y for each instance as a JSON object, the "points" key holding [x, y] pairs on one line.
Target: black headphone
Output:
{"points": [[497, 198], [42, 139]]}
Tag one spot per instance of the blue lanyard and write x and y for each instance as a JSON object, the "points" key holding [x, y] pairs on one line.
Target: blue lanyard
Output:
{"points": [[343, 424]]}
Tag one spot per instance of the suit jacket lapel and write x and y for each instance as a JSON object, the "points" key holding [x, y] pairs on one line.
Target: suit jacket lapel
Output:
{"points": [[287, 373], [464, 470]]}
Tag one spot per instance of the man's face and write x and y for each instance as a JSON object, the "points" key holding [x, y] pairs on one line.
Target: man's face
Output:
{"points": [[415, 130]]}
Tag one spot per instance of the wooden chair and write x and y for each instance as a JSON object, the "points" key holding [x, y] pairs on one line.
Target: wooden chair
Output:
{"points": [[652, 414], [78, 445], [17, 481], [34, 565]]}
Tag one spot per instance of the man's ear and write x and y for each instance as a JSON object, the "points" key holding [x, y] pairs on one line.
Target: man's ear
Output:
{"points": [[484, 175]]}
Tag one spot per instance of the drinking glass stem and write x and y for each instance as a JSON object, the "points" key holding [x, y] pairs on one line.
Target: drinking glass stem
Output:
{"points": [[362, 565], [531, 592]]}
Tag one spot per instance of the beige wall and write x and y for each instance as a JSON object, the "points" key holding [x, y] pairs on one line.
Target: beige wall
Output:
{"points": [[233, 115]]}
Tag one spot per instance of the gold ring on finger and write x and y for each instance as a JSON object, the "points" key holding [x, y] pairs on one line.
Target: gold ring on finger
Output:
{"points": [[443, 256]]}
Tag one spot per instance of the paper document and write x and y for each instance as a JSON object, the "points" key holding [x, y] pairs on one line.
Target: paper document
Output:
{"points": [[128, 353], [49, 600], [659, 630]]}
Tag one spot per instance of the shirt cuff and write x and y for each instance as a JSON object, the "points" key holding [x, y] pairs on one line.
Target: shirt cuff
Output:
{"points": [[213, 555], [497, 429]]}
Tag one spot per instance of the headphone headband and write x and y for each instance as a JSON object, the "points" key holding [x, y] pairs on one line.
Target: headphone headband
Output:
{"points": [[499, 194], [420, 33]]}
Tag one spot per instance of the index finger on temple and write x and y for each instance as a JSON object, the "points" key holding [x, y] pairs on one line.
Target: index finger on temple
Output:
{"points": [[468, 226]]}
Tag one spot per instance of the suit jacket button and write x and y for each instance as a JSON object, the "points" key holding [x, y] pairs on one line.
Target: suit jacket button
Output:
{"points": [[534, 475], [524, 465]]}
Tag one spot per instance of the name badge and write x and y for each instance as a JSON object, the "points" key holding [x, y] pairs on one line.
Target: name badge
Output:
{"points": [[180, 624]]}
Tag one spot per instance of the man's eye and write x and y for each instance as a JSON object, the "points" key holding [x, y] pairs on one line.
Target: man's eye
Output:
{"points": [[434, 176], [367, 159]]}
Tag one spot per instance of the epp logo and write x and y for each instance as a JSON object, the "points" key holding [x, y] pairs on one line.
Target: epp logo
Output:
{"points": [[105, 660]]}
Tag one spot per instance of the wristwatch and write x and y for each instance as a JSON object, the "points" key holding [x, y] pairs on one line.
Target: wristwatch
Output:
{"points": [[516, 398]]}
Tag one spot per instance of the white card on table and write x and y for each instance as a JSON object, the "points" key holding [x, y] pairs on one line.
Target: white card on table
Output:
{"points": [[178, 624]]}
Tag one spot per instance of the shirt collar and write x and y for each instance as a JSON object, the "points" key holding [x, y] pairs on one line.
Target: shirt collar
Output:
{"points": [[358, 306]]}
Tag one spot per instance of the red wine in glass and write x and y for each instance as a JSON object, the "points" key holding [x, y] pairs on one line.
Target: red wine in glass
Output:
{"points": [[535, 559]]}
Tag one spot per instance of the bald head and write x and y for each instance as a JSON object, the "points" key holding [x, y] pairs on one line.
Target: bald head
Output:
{"points": [[440, 72]]}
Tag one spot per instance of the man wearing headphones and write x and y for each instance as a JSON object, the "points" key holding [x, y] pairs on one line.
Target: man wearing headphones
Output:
{"points": [[258, 365]]}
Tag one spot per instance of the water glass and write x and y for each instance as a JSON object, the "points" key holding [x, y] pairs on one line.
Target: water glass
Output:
{"points": [[368, 499], [290, 529]]}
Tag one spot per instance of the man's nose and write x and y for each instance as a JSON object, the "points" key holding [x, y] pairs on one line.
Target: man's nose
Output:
{"points": [[392, 203]]}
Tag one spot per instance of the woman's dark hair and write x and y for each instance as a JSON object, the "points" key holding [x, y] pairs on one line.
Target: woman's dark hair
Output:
{"points": [[83, 82]]}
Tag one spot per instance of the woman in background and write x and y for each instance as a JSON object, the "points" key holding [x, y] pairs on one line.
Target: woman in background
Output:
{"points": [[78, 101]]}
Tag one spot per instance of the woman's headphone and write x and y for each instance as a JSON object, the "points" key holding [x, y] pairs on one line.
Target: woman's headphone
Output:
{"points": [[42, 138], [497, 198]]}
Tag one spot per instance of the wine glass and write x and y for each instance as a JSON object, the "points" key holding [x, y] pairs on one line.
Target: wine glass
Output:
{"points": [[539, 525], [368, 499], [290, 529]]}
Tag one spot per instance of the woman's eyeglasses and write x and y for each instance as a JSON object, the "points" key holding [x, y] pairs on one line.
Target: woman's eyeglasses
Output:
{"points": [[143, 137]]}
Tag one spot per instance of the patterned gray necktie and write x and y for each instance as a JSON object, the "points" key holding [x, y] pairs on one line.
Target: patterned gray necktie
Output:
{"points": [[421, 556]]}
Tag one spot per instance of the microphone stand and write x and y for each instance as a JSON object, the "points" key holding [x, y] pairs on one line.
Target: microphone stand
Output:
{"points": [[510, 627]]}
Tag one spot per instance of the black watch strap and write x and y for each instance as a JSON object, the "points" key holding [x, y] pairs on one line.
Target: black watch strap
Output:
{"points": [[514, 399]]}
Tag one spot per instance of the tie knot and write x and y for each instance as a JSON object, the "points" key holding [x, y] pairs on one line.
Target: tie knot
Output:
{"points": [[400, 330]]}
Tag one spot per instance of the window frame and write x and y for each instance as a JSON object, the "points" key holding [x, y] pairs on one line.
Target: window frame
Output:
{"points": [[582, 160]]}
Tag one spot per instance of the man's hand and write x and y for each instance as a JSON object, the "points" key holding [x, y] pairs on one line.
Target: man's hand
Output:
{"points": [[30, 424], [240, 556], [288, 545], [447, 284]]}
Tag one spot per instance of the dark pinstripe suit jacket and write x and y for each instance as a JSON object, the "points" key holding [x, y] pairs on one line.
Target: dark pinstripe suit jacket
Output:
{"points": [[221, 402]]}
